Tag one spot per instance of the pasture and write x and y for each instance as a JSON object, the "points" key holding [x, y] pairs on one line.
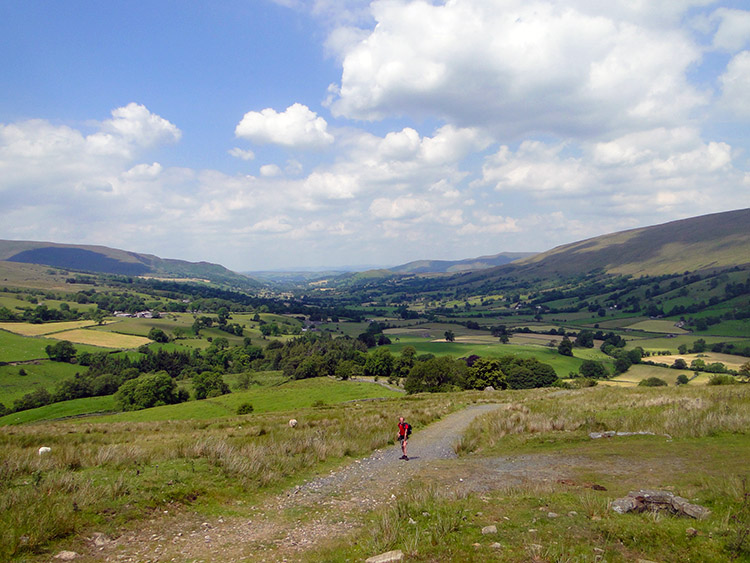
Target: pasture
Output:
{"points": [[42, 374], [17, 348], [101, 339], [30, 329], [639, 372], [656, 325]]}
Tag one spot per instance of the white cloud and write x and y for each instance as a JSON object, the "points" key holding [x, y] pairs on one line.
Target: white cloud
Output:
{"points": [[516, 67], [399, 208], [135, 124], [733, 33], [296, 127], [242, 154], [269, 170], [735, 85]]}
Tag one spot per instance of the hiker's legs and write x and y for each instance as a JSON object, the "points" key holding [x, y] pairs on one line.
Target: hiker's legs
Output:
{"points": [[403, 446]]}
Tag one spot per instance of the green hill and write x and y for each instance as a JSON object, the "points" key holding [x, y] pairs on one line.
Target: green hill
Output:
{"points": [[102, 259], [710, 242], [456, 266]]}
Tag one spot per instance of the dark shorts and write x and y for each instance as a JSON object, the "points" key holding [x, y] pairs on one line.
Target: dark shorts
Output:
{"points": [[400, 438]]}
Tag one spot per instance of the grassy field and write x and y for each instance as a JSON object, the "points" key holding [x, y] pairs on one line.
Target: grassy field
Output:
{"points": [[29, 329], [101, 339], [16, 348], [289, 396], [638, 373], [730, 361], [42, 374], [656, 325], [562, 364]]}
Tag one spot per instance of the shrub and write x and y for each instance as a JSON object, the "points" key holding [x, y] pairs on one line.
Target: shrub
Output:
{"points": [[158, 335], [62, 351], [652, 382], [245, 408], [682, 379], [209, 384], [150, 390], [722, 379]]}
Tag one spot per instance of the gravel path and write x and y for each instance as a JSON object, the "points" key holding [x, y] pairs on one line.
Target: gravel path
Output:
{"points": [[299, 519]]}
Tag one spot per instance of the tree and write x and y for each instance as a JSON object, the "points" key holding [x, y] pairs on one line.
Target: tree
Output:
{"points": [[565, 348], [682, 379], [379, 363], [62, 351], [679, 363], [593, 369], [450, 336], [209, 384], [149, 390], [158, 335], [585, 339], [744, 371], [485, 372], [652, 382]]}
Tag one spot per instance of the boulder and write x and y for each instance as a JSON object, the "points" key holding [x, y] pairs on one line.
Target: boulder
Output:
{"points": [[492, 529], [387, 557], [654, 500]]}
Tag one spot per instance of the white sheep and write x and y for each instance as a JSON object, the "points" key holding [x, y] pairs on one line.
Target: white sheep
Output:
{"points": [[44, 450], [293, 423]]}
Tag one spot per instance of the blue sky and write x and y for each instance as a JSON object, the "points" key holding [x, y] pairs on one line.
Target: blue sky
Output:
{"points": [[274, 134]]}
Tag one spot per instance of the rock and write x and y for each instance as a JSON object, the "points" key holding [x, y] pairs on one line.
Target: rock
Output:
{"points": [[99, 539], [489, 388], [691, 532], [293, 423], [66, 555], [44, 450], [496, 545], [654, 500], [387, 557], [552, 515], [492, 529], [572, 513], [412, 521]]}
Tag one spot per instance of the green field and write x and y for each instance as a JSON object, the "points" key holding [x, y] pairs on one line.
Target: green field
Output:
{"points": [[292, 395], [67, 409], [638, 373], [562, 364], [43, 374], [16, 348]]}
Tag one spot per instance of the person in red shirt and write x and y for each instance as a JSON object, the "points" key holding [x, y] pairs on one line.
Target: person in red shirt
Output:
{"points": [[404, 429]]}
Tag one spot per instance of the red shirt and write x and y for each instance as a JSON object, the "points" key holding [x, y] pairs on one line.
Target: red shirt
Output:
{"points": [[402, 426]]}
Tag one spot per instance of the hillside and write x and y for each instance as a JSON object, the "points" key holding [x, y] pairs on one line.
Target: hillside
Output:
{"points": [[102, 259], [456, 266], [718, 240]]}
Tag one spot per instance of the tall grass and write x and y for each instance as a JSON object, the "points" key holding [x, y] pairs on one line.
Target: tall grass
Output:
{"points": [[108, 473], [678, 412]]}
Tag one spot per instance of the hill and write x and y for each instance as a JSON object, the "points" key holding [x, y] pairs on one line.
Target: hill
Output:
{"points": [[102, 259], [718, 240], [456, 266]]}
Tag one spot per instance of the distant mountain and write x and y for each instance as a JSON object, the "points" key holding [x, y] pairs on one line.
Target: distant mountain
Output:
{"points": [[715, 241], [458, 266], [105, 260]]}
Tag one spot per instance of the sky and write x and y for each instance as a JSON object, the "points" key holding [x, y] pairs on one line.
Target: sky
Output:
{"points": [[283, 134]]}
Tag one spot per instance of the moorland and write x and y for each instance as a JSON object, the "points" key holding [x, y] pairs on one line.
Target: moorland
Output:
{"points": [[165, 396]]}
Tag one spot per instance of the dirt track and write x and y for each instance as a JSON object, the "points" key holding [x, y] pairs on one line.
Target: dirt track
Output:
{"points": [[298, 519]]}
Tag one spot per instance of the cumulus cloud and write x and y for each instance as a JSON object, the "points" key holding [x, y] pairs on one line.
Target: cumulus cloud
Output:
{"points": [[646, 172], [733, 32], [735, 85], [517, 67], [296, 127], [242, 154]]}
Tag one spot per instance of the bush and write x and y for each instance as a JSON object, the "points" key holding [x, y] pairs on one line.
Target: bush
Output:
{"points": [[682, 379], [158, 335], [722, 380], [62, 351], [652, 382], [150, 390], [245, 408], [209, 384]]}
